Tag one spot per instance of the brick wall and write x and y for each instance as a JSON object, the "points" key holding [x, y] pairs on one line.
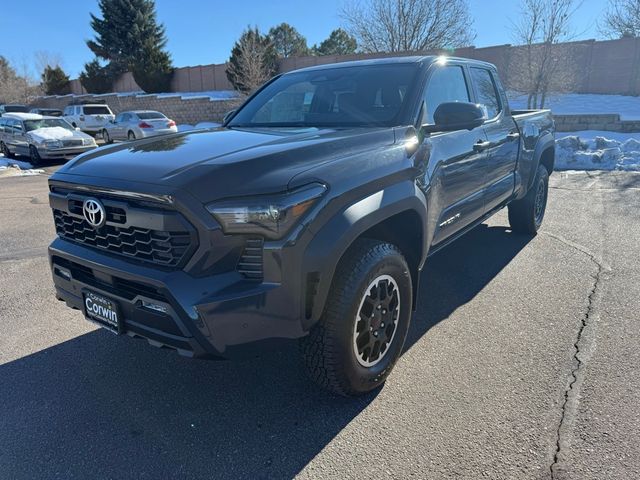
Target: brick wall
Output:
{"points": [[182, 110]]}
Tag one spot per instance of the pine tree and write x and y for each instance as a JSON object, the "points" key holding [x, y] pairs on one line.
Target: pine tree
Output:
{"points": [[95, 78], [253, 61], [338, 43], [128, 37], [287, 41], [55, 81]]}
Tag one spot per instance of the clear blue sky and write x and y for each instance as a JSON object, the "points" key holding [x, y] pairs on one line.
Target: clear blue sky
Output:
{"points": [[203, 31]]}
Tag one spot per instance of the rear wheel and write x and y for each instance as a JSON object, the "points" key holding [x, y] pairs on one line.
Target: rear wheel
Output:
{"points": [[5, 151], [131, 136], [34, 156], [526, 215], [356, 343]]}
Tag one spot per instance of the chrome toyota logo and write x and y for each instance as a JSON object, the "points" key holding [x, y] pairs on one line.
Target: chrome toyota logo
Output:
{"points": [[93, 212]]}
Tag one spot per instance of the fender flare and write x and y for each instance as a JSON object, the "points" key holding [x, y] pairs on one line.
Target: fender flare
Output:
{"points": [[333, 239], [545, 141]]}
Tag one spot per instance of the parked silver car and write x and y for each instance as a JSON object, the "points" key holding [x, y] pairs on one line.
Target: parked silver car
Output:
{"points": [[138, 124], [41, 137]]}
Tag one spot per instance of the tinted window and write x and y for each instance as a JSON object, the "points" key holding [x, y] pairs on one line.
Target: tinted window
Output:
{"points": [[15, 108], [343, 96], [150, 115], [446, 84], [486, 89], [97, 110]]}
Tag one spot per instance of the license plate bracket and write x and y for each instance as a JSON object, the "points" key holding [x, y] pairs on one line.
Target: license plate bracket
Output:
{"points": [[102, 310]]}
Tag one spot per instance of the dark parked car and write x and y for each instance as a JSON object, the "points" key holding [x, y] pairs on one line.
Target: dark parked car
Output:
{"points": [[47, 112], [309, 214], [13, 108]]}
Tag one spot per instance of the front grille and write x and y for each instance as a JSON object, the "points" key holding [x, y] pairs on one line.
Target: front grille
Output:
{"points": [[168, 248], [72, 142], [250, 263]]}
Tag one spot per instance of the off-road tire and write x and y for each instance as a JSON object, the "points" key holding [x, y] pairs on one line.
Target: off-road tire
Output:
{"points": [[526, 215], [328, 351]]}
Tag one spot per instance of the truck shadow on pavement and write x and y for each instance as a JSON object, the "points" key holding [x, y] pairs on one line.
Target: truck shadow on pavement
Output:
{"points": [[104, 407]]}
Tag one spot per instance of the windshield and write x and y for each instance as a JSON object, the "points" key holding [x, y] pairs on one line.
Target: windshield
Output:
{"points": [[150, 115], [96, 110], [31, 125], [336, 97]]}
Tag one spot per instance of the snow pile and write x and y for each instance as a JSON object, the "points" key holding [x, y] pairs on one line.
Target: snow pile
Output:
{"points": [[12, 168], [51, 133], [598, 151], [585, 103], [212, 95]]}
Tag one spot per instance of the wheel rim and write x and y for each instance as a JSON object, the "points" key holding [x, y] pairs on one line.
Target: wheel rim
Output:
{"points": [[540, 202], [376, 321], [131, 136]]}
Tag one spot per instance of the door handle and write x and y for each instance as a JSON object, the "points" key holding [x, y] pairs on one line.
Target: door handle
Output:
{"points": [[513, 136], [481, 146]]}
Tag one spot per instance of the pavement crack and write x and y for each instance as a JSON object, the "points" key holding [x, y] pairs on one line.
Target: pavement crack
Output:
{"points": [[571, 393]]}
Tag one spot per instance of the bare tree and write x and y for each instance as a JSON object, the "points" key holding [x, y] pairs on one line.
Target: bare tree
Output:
{"points": [[15, 87], [541, 65], [252, 61], [409, 25], [622, 19], [43, 59]]}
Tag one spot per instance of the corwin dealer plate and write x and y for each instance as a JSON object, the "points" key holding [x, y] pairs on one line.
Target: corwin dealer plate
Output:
{"points": [[102, 310]]}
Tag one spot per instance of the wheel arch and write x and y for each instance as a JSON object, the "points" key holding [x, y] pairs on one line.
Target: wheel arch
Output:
{"points": [[395, 215]]}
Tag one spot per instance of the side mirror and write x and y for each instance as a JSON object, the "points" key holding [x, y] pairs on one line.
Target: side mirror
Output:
{"points": [[452, 116], [228, 115]]}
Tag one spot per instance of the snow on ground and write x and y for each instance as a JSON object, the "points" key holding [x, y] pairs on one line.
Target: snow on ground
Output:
{"points": [[593, 150], [12, 168], [212, 95], [580, 103]]}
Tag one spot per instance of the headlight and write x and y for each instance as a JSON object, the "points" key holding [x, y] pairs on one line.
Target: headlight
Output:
{"points": [[268, 215], [53, 143], [88, 141]]}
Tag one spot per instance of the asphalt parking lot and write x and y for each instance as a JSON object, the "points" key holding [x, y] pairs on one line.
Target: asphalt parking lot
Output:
{"points": [[522, 363]]}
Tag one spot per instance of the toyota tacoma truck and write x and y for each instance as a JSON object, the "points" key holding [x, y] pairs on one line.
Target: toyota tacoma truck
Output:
{"points": [[309, 214]]}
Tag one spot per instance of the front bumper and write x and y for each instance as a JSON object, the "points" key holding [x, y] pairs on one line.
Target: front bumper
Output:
{"points": [[64, 152], [203, 317]]}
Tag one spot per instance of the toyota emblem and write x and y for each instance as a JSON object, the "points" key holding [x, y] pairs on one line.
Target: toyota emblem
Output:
{"points": [[93, 212]]}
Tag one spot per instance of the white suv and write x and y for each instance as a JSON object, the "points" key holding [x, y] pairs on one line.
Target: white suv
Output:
{"points": [[90, 118]]}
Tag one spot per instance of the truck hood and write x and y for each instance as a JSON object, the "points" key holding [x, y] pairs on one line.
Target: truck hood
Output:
{"points": [[212, 164]]}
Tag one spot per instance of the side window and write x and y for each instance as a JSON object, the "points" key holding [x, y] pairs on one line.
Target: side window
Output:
{"points": [[446, 84], [486, 89], [68, 111], [118, 118]]}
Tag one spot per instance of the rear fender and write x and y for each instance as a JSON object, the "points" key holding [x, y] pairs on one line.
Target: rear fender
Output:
{"points": [[530, 160]]}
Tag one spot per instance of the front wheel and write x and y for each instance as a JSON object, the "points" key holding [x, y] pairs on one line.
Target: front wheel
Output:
{"points": [[34, 156], [106, 137], [526, 214], [356, 343]]}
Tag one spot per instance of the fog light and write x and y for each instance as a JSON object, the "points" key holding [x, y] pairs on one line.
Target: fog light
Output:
{"points": [[63, 273], [155, 307]]}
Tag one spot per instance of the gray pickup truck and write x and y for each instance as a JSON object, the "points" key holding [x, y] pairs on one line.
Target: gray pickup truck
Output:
{"points": [[308, 215]]}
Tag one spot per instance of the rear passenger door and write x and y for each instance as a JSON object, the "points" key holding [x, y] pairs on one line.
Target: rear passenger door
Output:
{"points": [[458, 167], [502, 134]]}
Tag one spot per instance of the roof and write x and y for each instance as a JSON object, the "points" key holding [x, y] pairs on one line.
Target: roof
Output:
{"points": [[425, 59], [22, 116]]}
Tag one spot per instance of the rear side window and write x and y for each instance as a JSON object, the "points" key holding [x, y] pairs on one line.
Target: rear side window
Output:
{"points": [[96, 110], [486, 90], [446, 84]]}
